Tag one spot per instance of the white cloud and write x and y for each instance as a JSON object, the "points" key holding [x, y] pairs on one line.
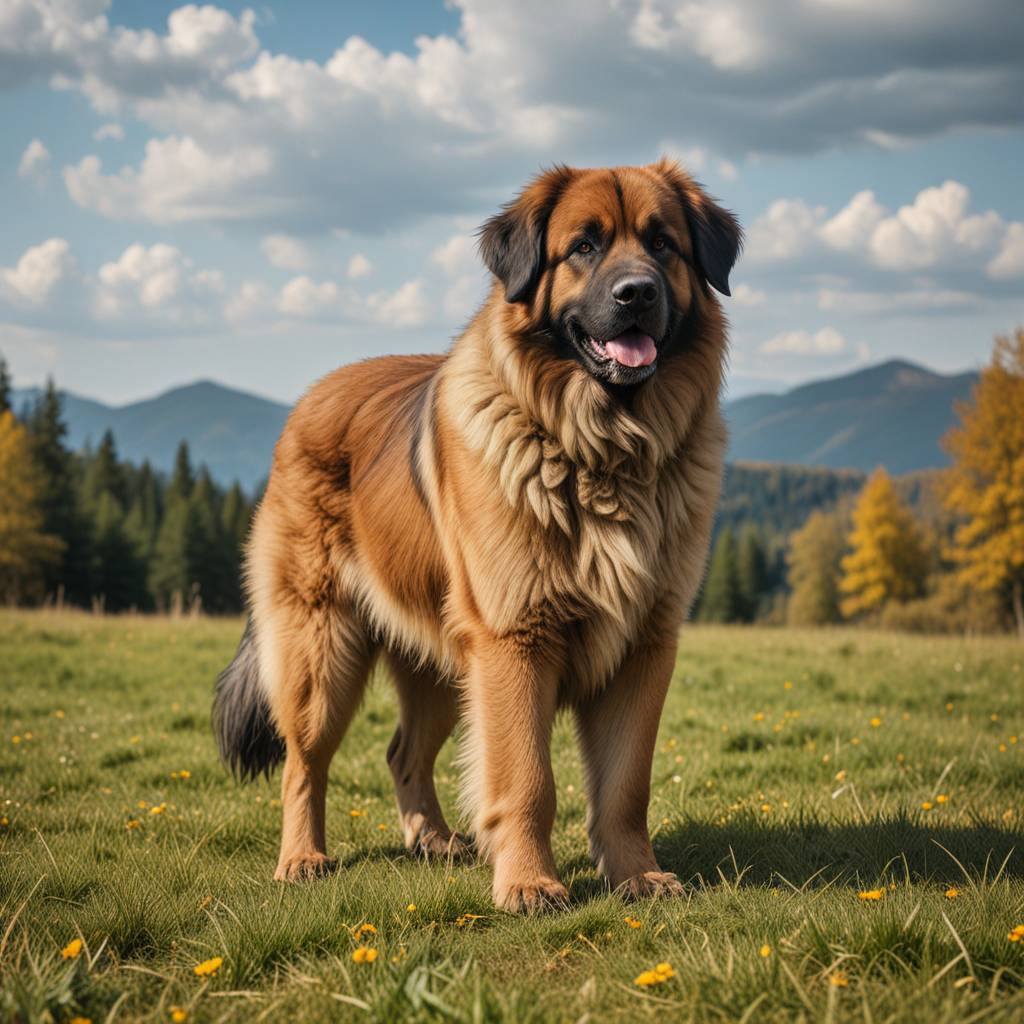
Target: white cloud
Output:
{"points": [[158, 281], [406, 307], [110, 130], [35, 162], [825, 342], [787, 229], [933, 228], [295, 144], [305, 298], [458, 258], [359, 266], [744, 295], [1009, 261], [921, 300], [286, 252], [178, 180], [848, 229], [937, 230], [38, 274]]}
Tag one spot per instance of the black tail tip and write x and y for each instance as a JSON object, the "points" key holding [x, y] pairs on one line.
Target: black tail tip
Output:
{"points": [[248, 741]]}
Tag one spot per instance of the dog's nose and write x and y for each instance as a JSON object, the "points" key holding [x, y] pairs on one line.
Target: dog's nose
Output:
{"points": [[636, 291]]}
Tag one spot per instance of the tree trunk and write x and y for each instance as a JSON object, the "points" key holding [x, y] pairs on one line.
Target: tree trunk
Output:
{"points": [[1018, 608]]}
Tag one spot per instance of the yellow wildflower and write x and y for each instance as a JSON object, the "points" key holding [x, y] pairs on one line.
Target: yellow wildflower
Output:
{"points": [[1017, 934], [766, 951], [876, 722], [838, 979], [209, 967], [871, 895], [364, 955], [633, 922], [363, 929], [80, 1020], [926, 805], [178, 1014], [661, 973], [158, 809], [411, 908], [357, 813], [942, 798], [951, 893], [132, 823], [72, 949], [759, 717], [787, 685]]}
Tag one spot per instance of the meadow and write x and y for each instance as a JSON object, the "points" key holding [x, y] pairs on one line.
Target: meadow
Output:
{"points": [[844, 807]]}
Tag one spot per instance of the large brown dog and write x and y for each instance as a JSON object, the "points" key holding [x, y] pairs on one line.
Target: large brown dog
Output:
{"points": [[519, 526]]}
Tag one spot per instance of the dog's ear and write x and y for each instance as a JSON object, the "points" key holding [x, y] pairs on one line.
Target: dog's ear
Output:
{"points": [[716, 233], [512, 242]]}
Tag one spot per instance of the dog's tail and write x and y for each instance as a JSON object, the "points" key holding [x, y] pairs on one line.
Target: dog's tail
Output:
{"points": [[248, 741]]}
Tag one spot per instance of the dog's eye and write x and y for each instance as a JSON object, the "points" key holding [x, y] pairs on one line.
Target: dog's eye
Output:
{"points": [[660, 242], [584, 247]]}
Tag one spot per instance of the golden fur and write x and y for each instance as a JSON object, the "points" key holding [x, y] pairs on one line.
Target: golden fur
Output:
{"points": [[515, 537]]}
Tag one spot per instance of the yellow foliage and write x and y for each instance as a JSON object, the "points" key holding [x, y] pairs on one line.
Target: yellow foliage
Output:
{"points": [[24, 548], [889, 560], [985, 485]]}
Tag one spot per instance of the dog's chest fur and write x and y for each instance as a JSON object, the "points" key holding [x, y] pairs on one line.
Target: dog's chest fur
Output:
{"points": [[588, 535]]}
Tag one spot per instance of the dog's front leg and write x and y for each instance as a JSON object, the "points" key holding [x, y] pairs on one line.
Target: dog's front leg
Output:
{"points": [[618, 728], [510, 696]]}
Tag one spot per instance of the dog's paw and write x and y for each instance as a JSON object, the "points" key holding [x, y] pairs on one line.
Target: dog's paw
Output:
{"points": [[434, 843], [302, 867], [531, 896], [650, 883]]}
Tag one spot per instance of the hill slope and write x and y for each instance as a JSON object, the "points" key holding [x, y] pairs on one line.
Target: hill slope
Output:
{"points": [[233, 432], [891, 415]]}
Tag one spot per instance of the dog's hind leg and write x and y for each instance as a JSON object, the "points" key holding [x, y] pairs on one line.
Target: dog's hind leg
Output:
{"points": [[315, 662], [427, 714]]}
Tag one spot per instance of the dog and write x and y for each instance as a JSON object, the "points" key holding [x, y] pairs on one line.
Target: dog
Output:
{"points": [[516, 527]]}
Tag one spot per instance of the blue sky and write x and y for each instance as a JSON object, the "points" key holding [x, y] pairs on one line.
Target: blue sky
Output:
{"points": [[256, 195]]}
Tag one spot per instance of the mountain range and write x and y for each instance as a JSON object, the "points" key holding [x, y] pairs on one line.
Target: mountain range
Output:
{"points": [[892, 415]]}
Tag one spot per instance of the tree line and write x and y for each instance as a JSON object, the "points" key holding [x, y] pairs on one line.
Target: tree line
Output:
{"points": [[90, 529], [869, 557]]}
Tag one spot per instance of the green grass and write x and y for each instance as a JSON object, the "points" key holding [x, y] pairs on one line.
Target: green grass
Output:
{"points": [[748, 807]]}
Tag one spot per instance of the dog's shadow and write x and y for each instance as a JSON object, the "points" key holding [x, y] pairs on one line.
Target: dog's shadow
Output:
{"points": [[814, 854]]}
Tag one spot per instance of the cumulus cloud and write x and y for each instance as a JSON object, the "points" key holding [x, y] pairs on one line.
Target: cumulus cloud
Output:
{"points": [[744, 295], [248, 134], [359, 266], [825, 342], [35, 163], [935, 231], [286, 252], [38, 274], [458, 259], [158, 281]]}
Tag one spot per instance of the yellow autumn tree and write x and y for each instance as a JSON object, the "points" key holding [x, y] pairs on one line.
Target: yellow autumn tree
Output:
{"points": [[24, 548], [889, 558], [985, 485]]}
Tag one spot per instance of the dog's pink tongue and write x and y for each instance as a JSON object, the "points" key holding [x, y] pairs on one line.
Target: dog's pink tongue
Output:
{"points": [[631, 348]]}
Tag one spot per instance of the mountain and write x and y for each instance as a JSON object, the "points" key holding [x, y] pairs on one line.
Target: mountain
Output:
{"points": [[890, 415], [233, 432]]}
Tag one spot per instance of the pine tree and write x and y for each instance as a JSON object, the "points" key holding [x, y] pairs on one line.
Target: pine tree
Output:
{"points": [[25, 547], [183, 478], [5, 387], [143, 520], [63, 516], [751, 572], [104, 473], [721, 601], [119, 575], [985, 485], [889, 560], [235, 515], [813, 559]]}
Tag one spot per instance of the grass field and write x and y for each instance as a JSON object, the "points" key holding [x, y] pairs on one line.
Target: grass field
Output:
{"points": [[795, 771]]}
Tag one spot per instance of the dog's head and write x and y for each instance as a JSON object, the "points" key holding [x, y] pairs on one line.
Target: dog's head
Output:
{"points": [[612, 263]]}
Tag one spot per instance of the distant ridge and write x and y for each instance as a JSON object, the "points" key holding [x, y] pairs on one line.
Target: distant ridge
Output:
{"points": [[890, 415], [232, 432]]}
